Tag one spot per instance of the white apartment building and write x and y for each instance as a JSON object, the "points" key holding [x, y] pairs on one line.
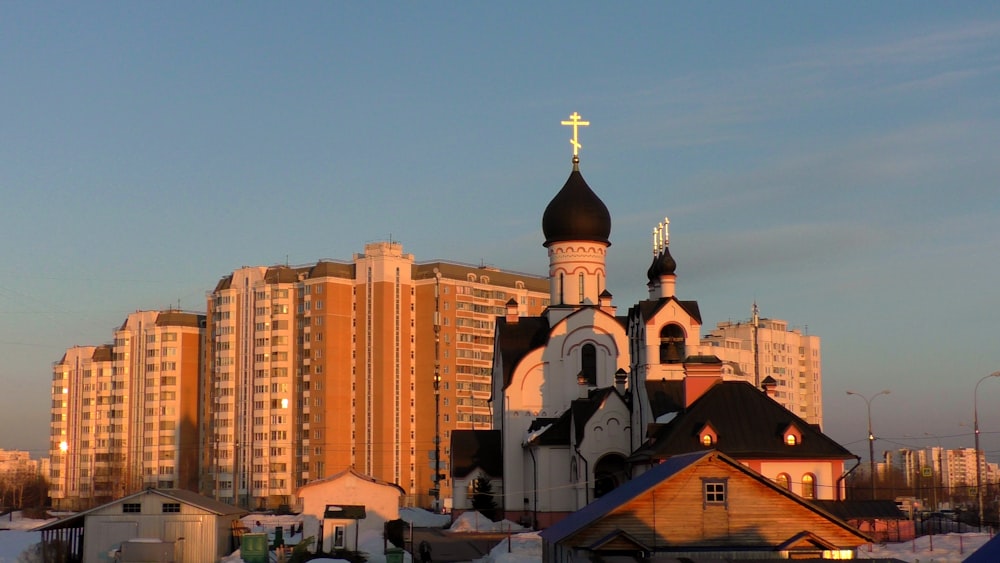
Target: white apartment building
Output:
{"points": [[764, 348], [124, 415], [938, 475]]}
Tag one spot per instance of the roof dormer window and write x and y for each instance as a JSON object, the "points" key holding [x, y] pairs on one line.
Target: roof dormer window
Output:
{"points": [[708, 436], [792, 436]]}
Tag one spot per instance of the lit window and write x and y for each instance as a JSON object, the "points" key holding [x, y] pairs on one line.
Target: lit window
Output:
{"points": [[808, 486], [791, 440], [783, 480], [706, 440]]}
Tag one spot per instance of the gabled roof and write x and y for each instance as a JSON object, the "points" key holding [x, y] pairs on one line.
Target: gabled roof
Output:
{"points": [[665, 396], [550, 431], [187, 497], [346, 472], [476, 448], [617, 497], [573, 420], [619, 539], [647, 309], [515, 340], [583, 409], [749, 425], [661, 473]]}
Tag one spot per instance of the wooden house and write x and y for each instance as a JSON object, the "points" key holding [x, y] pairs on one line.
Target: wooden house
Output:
{"points": [[699, 505], [746, 424]]}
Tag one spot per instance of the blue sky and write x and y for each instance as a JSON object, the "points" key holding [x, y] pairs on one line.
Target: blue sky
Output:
{"points": [[835, 161]]}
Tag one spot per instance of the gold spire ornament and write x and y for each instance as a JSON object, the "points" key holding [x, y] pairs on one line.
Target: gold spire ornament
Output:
{"points": [[575, 123]]}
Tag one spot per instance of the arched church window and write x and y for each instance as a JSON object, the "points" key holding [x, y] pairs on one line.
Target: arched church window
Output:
{"points": [[609, 472], [672, 344], [783, 480], [808, 486], [588, 364]]}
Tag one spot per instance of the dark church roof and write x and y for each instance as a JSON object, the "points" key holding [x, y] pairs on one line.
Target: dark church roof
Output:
{"points": [[557, 431], [648, 308], [747, 422], [514, 340], [576, 213], [476, 448]]}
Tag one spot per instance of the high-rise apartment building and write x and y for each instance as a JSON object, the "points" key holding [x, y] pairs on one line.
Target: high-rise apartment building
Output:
{"points": [[764, 348], [939, 475], [124, 415], [314, 369]]}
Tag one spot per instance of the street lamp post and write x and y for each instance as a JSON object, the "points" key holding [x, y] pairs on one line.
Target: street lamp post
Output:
{"points": [[871, 436], [975, 430]]}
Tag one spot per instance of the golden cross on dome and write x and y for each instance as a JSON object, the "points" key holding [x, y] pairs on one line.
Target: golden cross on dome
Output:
{"points": [[574, 121]]}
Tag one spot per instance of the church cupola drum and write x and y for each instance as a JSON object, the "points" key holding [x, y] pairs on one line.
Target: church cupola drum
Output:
{"points": [[576, 225]]}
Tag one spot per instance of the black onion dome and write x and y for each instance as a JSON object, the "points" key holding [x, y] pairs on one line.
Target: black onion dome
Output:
{"points": [[663, 265], [576, 213]]}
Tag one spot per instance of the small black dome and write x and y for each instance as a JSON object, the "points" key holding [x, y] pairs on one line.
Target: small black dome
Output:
{"points": [[576, 213], [665, 265]]}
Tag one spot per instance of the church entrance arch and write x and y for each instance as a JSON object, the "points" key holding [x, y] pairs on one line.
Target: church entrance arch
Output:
{"points": [[610, 472]]}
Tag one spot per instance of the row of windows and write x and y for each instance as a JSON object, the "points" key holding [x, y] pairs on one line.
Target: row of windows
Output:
{"points": [[136, 508]]}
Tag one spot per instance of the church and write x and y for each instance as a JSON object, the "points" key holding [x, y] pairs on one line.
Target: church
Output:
{"points": [[585, 399]]}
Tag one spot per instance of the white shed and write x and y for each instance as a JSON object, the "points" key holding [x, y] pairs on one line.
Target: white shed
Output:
{"points": [[347, 507], [199, 527]]}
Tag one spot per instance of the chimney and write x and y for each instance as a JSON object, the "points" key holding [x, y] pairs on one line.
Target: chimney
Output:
{"points": [[700, 373], [621, 376], [511, 315]]}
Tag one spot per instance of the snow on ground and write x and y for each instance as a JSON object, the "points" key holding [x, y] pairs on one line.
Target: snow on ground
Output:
{"points": [[16, 536], [946, 548], [370, 543], [475, 522], [518, 548], [421, 518]]}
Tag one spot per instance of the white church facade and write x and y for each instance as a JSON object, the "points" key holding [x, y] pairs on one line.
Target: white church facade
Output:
{"points": [[584, 399]]}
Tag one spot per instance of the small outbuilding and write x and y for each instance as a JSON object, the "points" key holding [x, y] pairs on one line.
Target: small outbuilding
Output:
{"points": [[344, 509], [200, 528]]}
